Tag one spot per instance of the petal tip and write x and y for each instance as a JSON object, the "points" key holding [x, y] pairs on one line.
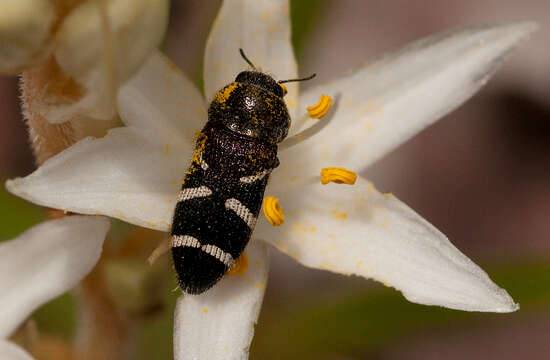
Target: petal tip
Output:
{"points": [[526, 27], [18, 187], [512, 307], [11, 185], [519, 30], [506, 303], [514, 33], [498, 301]]}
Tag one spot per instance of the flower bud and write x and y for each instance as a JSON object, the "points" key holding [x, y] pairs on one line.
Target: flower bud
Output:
{"points": [[25, 33]]}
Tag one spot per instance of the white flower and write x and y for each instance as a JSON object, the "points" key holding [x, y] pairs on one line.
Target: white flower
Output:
{"points": [[91, 46], [41, 264], [134, 172], [70, 74]]}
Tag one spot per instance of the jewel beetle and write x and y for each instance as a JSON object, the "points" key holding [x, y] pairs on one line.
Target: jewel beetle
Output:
{"points": [[223, 189]]}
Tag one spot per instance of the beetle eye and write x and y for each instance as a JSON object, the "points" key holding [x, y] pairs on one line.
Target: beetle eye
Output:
{"points": [[284, 89]]}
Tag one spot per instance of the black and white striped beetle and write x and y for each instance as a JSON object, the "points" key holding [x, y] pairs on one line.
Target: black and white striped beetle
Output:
{"points": [[222, 192]]}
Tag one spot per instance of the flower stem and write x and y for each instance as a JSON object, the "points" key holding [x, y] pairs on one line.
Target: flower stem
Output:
{"points": [[102, 329]]}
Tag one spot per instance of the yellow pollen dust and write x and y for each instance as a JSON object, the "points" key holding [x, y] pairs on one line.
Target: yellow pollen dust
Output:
{"points": [[240, 266], [285, 90], [224, 93], [338, 215], [273, 211], [320, 109], [338, 176], [199, 149]]}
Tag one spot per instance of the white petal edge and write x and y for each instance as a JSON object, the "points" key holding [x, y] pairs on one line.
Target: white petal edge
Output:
{"points": [[126, 175], [160, 97], [44, 262], [355, 230], [137, 28], [385, 103], [262, 29], [219, 324], [25, 33], [10, 351]]}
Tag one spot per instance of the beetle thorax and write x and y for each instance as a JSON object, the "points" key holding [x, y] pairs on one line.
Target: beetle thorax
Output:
{"points": [[252, 108]]}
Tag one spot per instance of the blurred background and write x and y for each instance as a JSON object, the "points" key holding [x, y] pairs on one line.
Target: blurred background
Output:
{"points": [[481, 175]]}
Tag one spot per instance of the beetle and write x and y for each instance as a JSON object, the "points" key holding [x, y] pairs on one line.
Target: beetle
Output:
{"points": [[223, 189]]}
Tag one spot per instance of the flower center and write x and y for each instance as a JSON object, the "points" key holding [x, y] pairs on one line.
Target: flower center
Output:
{"points": [[338, 176], [273, 211]]}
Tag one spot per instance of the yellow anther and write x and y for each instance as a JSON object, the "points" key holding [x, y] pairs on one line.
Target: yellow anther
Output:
{"points": [[337, 175], [240, 266], [285, 90], [273, 211], [320, 109]]}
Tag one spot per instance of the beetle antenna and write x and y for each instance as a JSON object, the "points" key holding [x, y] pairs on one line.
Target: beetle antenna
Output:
{"points": [[246, 59], [293, 80]]}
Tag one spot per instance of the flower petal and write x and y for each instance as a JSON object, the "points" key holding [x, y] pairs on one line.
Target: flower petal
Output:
{"points": [[219, 324], [262, 29], [388, 101], [10, 351], [84, 53], [25, 33], [126, 175], [159, 96], [44, 262], [357, 230]]}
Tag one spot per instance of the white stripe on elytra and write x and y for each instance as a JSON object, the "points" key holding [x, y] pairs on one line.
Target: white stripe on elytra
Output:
{"points": [[192, 193], [213, 250], [252, 178], [185, 240], [219, 254], [242, 211]]}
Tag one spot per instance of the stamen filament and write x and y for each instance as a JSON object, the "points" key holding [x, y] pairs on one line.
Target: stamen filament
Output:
{"points": [[162, 249], [338, 176], [273, 211]]}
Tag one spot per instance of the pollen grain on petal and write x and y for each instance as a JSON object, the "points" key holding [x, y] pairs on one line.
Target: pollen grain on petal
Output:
{"points": [[273, 211], [339, 215], [320, 109], [338, 176]]}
